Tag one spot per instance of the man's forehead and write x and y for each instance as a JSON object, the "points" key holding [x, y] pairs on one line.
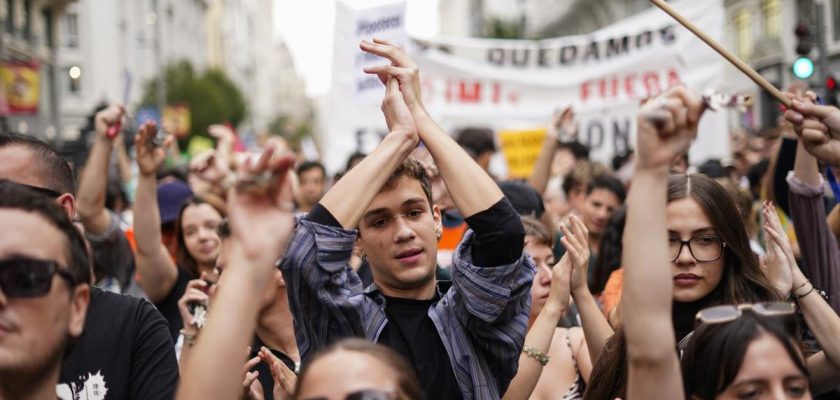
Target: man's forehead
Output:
{"points": [[21, 228], [395, 196]]}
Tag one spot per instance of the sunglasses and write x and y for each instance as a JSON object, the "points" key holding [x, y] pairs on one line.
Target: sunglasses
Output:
{"points": [[24, 277], [729, 313], [367, 394], [44, 191]]}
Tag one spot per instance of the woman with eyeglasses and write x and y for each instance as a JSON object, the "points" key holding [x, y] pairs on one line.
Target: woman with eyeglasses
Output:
{"points": [[356, 369], [709, 256]]}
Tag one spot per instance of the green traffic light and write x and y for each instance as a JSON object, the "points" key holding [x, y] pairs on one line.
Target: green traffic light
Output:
{"points": [[803, 68]]}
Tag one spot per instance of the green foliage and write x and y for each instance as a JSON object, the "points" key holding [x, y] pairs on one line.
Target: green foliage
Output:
{"points": [[502, 29], [212, 97]]}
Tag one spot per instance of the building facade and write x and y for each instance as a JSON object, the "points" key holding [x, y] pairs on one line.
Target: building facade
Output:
{"points": [[29, 99]]}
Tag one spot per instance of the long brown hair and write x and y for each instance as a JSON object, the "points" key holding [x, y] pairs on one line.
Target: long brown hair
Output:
{"points": [[183, 258], [743, 280]]}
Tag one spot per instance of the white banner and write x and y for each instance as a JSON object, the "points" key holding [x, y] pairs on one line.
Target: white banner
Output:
{"points": [[517, 84], [354, 120]]}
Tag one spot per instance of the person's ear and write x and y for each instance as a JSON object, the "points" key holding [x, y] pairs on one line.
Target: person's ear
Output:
{"points": [[68, 203], [438, 221], [78, 310], [278, 278]]}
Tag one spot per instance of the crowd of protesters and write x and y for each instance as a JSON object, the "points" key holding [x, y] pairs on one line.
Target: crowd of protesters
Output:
{"points": [[416, 274]]}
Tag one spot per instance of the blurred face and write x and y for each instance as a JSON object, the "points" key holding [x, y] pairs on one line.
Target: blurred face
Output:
{"points": [[541, 286], [398, 233], [693, 279], [199, 223], [311, 185], [33, 330], [767, 372], [597, 208], [339, 374]]}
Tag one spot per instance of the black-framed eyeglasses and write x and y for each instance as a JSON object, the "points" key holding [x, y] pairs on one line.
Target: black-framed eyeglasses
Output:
{"points": [[44, 191], [729, 313], [704, 248], [367, 394], [24, 277]]}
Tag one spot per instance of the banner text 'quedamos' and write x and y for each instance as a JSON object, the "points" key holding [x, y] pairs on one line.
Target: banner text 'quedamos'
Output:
{"points": [[550, 55]]}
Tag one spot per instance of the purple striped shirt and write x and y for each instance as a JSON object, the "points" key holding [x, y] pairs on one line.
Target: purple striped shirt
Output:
{"points": [[482, 319]]}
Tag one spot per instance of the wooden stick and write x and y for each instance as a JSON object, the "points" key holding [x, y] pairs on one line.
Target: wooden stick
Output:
{"points": [[755, 76]]}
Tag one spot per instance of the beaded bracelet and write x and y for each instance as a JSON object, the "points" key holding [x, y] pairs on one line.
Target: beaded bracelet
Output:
{"points": [[541, 357]]}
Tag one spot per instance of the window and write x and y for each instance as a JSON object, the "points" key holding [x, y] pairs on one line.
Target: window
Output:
{"points": [[73, 79], [743, 33], [27, 22], [10, 16], [772, 13], [70, 31], [835, 19], [47, 14]]}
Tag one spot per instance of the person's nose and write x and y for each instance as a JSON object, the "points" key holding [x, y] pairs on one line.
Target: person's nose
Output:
{"points": [[403, 231]]}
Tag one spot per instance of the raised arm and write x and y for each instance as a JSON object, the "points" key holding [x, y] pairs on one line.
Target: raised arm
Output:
{"points": [[156, 271], [820, 317], [666, 127], [818, 127], [262, 221], [542, 331], [818, 245], [564, 121], [471, 188], [596, 329], [93, 182], [351, 195]]}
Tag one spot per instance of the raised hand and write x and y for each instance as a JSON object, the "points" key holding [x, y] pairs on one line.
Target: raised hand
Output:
{"points": [[560, 292], [817, 126], [106, 120], [261, 207], [782, 269], [397, 116], [667, 126], [195, 293], [209, 167], [149, 156], [251, 387], [563, 125], [285, 379], [402, 68], [576, 241]]}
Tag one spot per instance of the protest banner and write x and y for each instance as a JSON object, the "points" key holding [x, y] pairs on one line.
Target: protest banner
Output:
{"points": [[517, 84], [353, 120]]}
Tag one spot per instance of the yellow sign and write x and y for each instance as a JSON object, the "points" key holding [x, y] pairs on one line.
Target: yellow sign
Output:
{"points": [[176, 119], [521, 148], [21, 87]]}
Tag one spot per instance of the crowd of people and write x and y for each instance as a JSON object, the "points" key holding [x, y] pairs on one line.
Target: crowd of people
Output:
{"points": [[417, 274]]}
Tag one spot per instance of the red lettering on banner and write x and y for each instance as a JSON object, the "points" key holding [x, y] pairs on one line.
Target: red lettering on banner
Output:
{"points": [[630, 86], [475, 92], [469, 93]]}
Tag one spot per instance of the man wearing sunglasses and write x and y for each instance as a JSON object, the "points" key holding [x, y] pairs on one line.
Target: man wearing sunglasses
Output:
{"points": [[125, 347], [44, 292]]}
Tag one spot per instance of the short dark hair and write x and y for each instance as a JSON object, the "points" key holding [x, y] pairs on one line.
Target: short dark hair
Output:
{"points": [[581, 174], [408, 387], [52, 167], [716, 352], [413, 169], [307, 165], [579, 150], [16, 196], [476, 141], [609, 183]]}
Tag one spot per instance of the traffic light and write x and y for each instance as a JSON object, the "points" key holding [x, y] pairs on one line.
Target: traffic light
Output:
{"points": [[804, 43], [803, 67], [831, 91]]}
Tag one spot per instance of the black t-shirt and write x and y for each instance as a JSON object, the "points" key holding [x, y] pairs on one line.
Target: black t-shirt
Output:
{"points": [[412, 333], [125, 352], [264, 369], [168, 307]]}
